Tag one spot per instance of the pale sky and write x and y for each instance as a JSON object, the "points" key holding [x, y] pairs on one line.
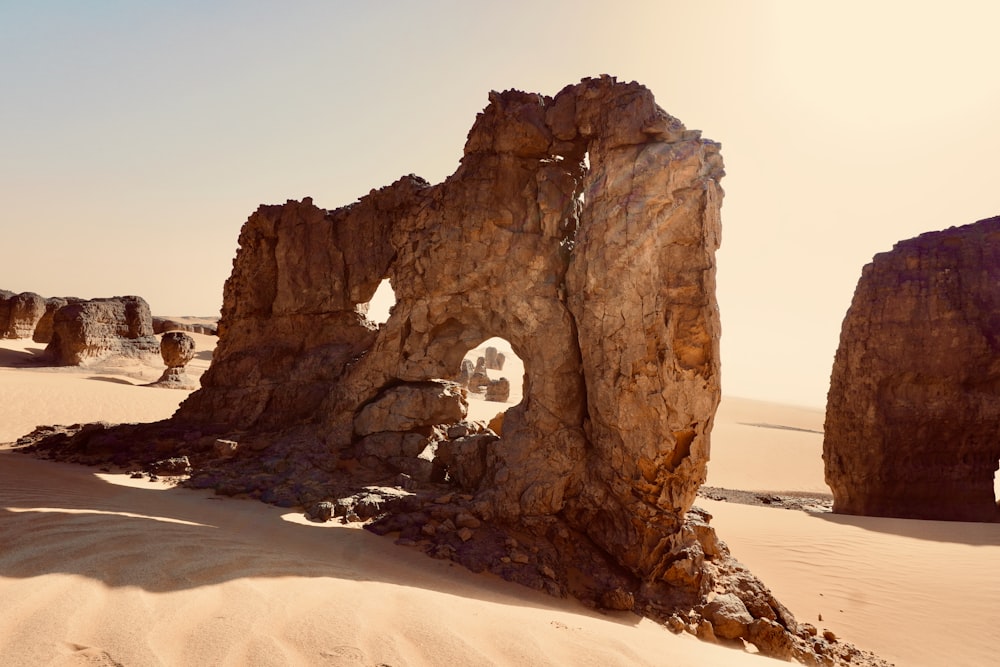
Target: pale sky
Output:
{"points": [[138, 136]]}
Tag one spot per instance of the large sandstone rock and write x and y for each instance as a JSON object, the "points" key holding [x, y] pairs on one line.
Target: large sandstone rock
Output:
{"points": [[102, 329], [913, 410], [526, 243]]}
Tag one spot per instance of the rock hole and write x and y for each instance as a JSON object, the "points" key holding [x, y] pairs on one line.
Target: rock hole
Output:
{"points": [[377, 310], [496, 383], [581, 196]]}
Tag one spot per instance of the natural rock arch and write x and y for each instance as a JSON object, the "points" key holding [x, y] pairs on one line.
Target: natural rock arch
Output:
{"points": [[611, 307]]}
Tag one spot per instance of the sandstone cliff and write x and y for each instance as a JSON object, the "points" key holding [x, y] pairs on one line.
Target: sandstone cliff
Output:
{"points": [[913, 410]]}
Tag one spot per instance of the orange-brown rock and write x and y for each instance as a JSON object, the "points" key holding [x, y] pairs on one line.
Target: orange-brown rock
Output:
{"points": [[86, 332], [610, 306], [913, 410]]}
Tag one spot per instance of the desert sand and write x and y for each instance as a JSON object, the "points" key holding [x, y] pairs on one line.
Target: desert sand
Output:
{"points": [[96, 568]]}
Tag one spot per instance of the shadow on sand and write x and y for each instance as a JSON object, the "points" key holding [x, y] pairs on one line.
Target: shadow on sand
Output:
{"points": [[955, 532], [114, 380], [32, 357], [59, 518]]}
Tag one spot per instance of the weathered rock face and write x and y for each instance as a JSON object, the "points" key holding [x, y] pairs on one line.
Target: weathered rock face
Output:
{"points": [[43, 330], [97, 330], [622, 296], [19, 314], [913, 410]]}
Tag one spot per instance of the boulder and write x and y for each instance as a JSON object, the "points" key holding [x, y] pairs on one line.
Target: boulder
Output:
{"points": [[729, 616], [101, 330], [177, 349], [913, 409]]}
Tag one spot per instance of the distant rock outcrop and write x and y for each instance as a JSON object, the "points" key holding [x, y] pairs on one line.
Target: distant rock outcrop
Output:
{"points": [[164, 324], [913, 413], [498, 390], [19, 313], [494, 359], [177, 349], [90, 331]]}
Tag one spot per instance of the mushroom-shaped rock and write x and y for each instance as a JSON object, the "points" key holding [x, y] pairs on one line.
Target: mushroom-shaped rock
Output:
{"points": [[177, 349]]}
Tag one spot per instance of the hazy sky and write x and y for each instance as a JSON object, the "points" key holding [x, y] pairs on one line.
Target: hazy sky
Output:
{"points": [[138, 136]]}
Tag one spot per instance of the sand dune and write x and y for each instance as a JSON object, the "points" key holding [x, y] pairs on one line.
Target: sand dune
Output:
{"points": [[96, 568]]}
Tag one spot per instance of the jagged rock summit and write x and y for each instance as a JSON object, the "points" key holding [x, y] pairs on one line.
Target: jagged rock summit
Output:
{"points": [[581, 228], [913, 410]]}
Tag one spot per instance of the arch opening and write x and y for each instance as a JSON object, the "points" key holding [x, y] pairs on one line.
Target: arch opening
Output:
{"points": [[494, 376], [378, 309]]}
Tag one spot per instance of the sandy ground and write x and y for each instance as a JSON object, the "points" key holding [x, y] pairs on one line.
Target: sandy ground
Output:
{"points": [[99, 569]]}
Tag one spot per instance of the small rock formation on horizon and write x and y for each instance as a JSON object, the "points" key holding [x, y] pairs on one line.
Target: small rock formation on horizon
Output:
{"points": [[494, 359], [87, 332], [913, 411], [580, 228], [164, 324], [177, 349]]}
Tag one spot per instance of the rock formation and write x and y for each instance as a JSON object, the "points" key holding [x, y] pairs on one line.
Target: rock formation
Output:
{"points": [[913, 410], [581, 228], [465, 373], [498, 390], [480, 379], [100, 329], [19, 313], [163, 325], [177, 349], [494, 359], [43, 329]]}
